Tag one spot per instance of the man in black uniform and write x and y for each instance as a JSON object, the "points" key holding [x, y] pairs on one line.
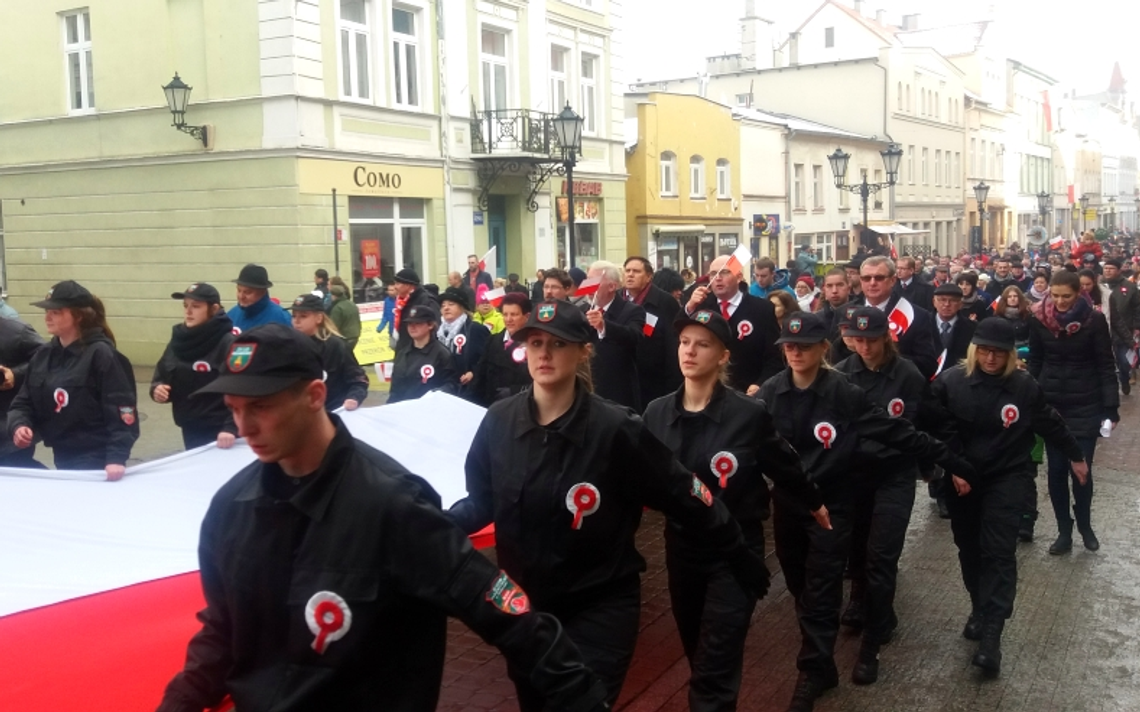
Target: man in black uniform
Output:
{"points": [[409, 291], [910, 286], [329, 570], [754, 356], [911, 326], [657, 369], [620, 326], [18, 341]]}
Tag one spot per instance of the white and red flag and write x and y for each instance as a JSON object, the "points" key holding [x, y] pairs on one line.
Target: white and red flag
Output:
{"points": [[900, 318], [494, 297], [489, 260], [650, 324], [740, 257], [588, 287]]}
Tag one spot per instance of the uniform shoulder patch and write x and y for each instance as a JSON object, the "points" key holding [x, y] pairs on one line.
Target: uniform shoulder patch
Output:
{"points": [[508, 596], [701, 492]]}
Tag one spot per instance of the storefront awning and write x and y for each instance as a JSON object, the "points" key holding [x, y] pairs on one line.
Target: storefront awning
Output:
{"points": [[896, 229], [669, 229]]}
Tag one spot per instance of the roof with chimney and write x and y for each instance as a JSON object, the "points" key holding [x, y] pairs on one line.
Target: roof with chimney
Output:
{"points": [[881, 30], [949, 40]]}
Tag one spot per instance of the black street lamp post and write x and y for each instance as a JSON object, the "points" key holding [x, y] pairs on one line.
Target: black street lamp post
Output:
{"points": [[177, 97], [1044, 206], [1112, 214], [1084, 206], [981, 192], [892, 155], [568, 131]]}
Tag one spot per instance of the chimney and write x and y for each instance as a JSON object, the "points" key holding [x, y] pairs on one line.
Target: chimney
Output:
{"points": [[793, 49], [881, 17], [859, 7], [910, 22]]}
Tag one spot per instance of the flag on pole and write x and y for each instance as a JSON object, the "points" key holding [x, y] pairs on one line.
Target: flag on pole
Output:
{"points": [[740, 257], [650, 324], [1056, 243], [995, 304], [894, 252], [487, 264], [588, 287], [900, 318], [494, 297], [941, 363], [1074, 243]]}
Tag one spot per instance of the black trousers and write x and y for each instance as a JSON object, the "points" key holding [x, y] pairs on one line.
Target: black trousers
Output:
{"points": [[197, 437], [12, 456], [882, 513], [712, 613], [985, 524], [605, 632], [1060, 478], [813, 559], [73, 460]]}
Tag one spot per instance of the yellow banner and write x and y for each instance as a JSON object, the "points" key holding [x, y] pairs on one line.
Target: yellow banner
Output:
{"points": [[372, 347], [362, 178]]}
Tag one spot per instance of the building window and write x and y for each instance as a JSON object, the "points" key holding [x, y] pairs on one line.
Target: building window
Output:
{"points": [[844, 201], [910, 164], [957, 169], [77, 53], [899, 99], [798, 186], [984, 173], [668, 174], [558, 77], [973, 158], [496, 74], [744, 100], [697, 177], [588, 83], [723, 179], [817, 187], [398, 229], [925, 171], [405, 57], [829, 37], [878, 196], [909, 105], [938, 168], [354, 44]]}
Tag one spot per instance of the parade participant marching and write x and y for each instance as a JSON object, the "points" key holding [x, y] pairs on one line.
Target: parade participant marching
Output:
{"points": [[728, 440], [1124, 318], [193, 358], [344, 315], [295, 619], [345, 381], [502, 371], [423, 364], [462, 336], [18, 343], [657, 370], [254, 307], [990, 411], [884, 492], [564, 476], [79, 396], [911, 325], [1070, 355], [828, 421], [409, 294], [975, 305], [620, 330]]}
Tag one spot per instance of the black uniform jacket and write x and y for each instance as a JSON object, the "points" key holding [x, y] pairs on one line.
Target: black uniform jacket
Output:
{"points": [[418, 297], [831, 421], [992, 420], [532, 482], [900, 390], [418, 371], [961, 334], [467, 352], [80, 399], [615, 357], [1077, 372], [344, 377], [732, 442], [192, 360], [18, 343], [658, 369], [502, 371], [364, 530], [753, 354]]}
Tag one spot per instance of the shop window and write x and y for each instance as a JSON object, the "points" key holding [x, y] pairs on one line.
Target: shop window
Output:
{"points": [[723, 179], [396, 230], [588, 83], [587, 241], [558, 77], [77, 54], [668, 174], [405, 57], [697, 178], [495, 69], [354, 50]]}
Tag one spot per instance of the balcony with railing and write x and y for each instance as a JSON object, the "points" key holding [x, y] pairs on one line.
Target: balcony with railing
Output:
{"points": [[514, 133]]}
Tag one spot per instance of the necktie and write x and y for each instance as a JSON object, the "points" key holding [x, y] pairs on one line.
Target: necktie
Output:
{"points": [[724, 309], [945, 334]]}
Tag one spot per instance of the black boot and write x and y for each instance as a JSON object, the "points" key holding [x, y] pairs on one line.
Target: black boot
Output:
{"points": [[808, 690], [973, 629], [1025, 531], [1064, 543], [853, 615], [943, 508], [867, 666], [988, 656], [1090, 540]]}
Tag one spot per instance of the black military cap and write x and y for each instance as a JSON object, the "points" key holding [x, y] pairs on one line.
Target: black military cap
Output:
{"points": [[559, 318], [995, 333], [408, 276], [847, 315], [451, 294], [866, 321], [254, 277], [803, 328], [307, 302], [266, 360], [421, 314], [949, 289], [65, 295], [711, 320], [199, 292]]}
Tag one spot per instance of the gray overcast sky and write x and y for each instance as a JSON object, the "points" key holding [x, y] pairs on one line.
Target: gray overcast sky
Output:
{"points": [[1076, 43]]}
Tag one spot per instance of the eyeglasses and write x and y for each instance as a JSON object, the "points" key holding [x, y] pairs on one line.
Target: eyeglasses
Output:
{"points": [[724, 274], [873, 277], [788, 346]]}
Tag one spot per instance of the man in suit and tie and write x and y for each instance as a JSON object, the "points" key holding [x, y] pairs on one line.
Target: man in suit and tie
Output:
{"points": [[877, 276], [658, 368], [620, 325], [910, 286]]}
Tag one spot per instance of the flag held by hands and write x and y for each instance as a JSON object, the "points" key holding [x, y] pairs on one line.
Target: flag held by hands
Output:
{"points": [[740, 256]]}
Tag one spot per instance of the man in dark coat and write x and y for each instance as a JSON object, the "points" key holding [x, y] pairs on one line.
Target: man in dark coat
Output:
{"points": [[409, 294], [658, 369], [476, 276], [910, 286], [18, 341], [620, 326], [911, 325], [952, 332]]}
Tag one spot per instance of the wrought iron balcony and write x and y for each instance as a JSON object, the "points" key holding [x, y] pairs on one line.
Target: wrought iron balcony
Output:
{"points": [[514, 132]]}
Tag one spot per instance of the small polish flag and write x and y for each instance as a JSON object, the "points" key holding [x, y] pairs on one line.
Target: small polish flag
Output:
{"points": [[900, 318], [740, 257], [384, 371], [650, 323], [941, 363], [1056, 243], [494, 296], [487, 264], [894, 251], [996, 303], [1074, 241], [588, 287]]}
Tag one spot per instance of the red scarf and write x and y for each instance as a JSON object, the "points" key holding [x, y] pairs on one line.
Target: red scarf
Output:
{"points": [[400, 302]]}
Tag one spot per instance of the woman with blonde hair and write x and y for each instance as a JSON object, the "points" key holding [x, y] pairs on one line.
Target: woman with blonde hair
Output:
{"points": [[346, 381]]}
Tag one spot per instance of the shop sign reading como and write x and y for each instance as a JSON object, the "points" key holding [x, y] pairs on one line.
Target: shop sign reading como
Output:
{"points": [[365, 178]]}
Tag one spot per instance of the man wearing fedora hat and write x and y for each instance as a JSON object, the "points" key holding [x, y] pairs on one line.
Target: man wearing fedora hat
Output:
{"points": [[254, 307]]}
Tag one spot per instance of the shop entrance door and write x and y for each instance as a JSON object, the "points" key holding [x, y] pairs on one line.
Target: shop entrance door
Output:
{"points": [[497, 232]]}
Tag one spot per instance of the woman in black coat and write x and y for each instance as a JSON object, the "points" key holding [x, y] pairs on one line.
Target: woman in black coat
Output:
{"points": [[1070, 355], [502, 371], [463, 336]]}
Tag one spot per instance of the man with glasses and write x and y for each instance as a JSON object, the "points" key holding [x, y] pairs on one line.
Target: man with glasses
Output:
{"points": [[753, 356], [910, 286], [911, 325]]}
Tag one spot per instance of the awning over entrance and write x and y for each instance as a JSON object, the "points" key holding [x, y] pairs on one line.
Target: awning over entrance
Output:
{"points": [[674, 229], [896, 229]]}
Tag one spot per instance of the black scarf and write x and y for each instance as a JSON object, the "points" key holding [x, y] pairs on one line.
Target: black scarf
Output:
{"points": [[191, 344]]}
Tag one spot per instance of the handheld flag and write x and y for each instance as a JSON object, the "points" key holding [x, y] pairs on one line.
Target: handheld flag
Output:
{"points": [[900, 318], [1056, 243], [588, 287], [487, 264], [650, 324], [494, 297], [740, 256]]}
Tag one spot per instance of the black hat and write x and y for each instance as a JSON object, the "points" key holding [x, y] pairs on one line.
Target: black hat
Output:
{"points": [[451, 294], [199, 292], [855, 263], [847, 315], [266, 360], [867, 321], [949, 289], [65, 295], [995, 333], [711, 320], [562, 319], [803, 328], [254, 277], [408, 276], [308, 302], [421, 314]]}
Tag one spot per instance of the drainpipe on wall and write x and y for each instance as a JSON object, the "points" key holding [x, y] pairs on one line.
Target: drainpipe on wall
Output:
{"points": [[788, 136], [444, 134]]}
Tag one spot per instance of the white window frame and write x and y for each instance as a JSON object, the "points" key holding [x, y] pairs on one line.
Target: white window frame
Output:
{"points": [[82, 49], [668, 175], [798, 186], [817, 187], [400, 43], [504, 60], [910, 164], [925, 166], [696, 178], [937, 167], [589, 87], [723, 179], [557, 101], [355, 30]]}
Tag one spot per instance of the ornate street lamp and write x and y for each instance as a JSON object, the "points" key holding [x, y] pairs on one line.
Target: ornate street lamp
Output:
{"points": [[177, 97], [981, 192], [568, 131], [1084, 200], [892, 155]]}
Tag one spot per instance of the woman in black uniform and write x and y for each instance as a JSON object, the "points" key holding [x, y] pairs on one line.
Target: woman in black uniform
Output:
{"points": [[197, 351], [346, 381], [828, 421], [991, 411], [80, 394], [502, 371], [884, 490], [462, 336], [564, 475], [727, 439], [424, 364]]}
